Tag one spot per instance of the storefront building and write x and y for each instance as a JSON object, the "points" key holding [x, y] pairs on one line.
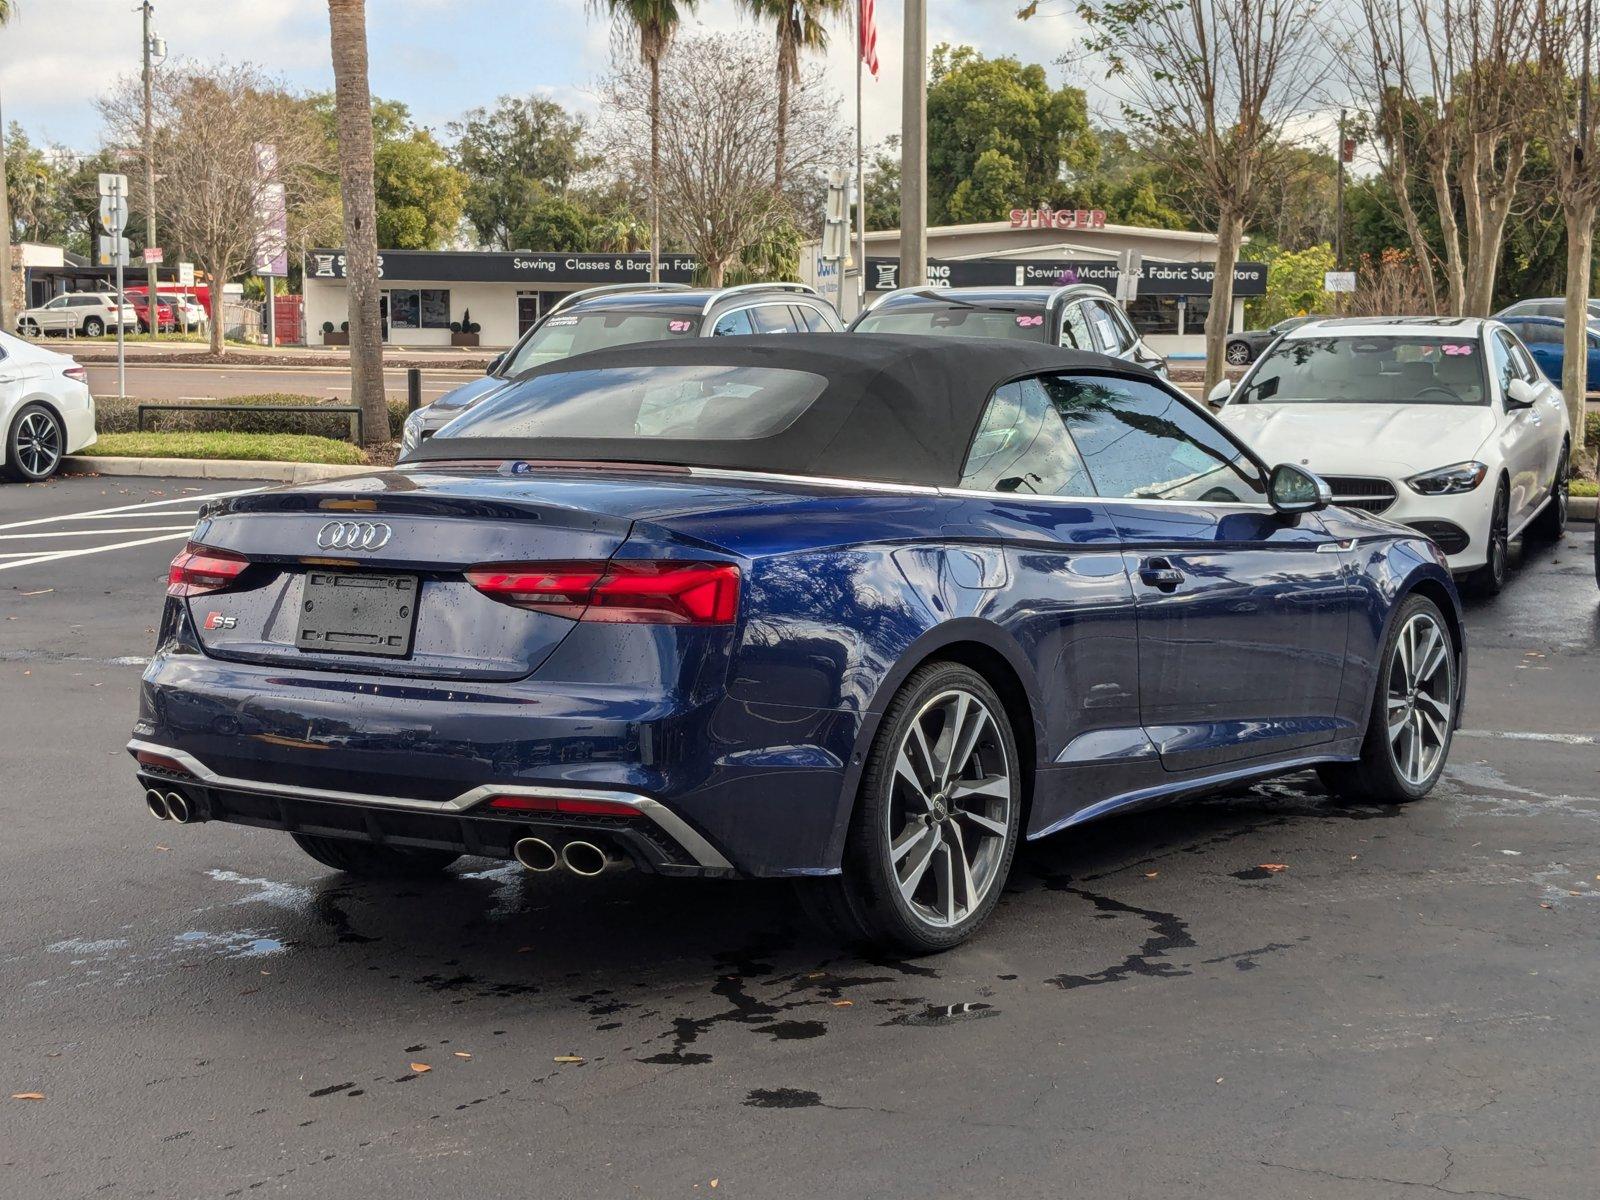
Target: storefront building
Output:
{"points": [[1173, 268], [424, 292]]}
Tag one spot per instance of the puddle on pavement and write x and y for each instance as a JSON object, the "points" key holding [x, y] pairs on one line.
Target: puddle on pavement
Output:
{"points": [[945, 1014]]}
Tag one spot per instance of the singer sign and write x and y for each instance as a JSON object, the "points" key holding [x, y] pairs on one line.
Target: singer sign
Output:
{"points": [[1045, 217]]}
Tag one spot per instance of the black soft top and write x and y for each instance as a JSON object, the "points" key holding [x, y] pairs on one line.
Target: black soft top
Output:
{"points": [[896, 408]]}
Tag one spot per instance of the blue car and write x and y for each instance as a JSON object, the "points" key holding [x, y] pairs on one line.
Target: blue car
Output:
{"points": [[1545, 338], [864, 611]]}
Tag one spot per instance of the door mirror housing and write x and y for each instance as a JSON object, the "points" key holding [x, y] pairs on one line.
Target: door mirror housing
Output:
{"points": [[495, 364], [1294, 489], [1218, 396], [1521, 394]]}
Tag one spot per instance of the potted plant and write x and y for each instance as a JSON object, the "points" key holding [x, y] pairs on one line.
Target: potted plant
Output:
{"points": [[333, 337], [465, 331]]}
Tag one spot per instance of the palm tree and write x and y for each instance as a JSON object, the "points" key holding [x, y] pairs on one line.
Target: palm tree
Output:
{"points": [[801, 25], [8, 9], [653, 24], [352, 100]]}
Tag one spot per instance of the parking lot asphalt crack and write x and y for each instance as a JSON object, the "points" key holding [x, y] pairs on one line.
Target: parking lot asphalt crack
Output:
{"points": [[1435, 1186]]}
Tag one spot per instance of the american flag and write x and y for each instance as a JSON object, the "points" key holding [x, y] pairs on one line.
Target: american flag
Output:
{"points": [[867, 27]]}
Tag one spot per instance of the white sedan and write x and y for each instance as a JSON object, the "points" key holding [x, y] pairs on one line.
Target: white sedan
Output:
{"points": [[1443, 424], [46, 410]]}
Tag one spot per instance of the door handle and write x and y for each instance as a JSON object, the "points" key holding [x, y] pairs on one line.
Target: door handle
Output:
{"points": [[1160, 574]]}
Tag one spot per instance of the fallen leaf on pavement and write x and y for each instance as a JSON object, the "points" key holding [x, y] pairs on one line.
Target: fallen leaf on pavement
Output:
{"points": [[421, 1068], [27, 1095], [1151, 874], [569, 1058], [1274, 867], [462, 1054], [851, 1003], [1545, 904]]}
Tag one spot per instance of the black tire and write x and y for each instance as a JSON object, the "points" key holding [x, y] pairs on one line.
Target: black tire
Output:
{"points": [[1378, 776], [867, 902], [28, 328], [1551, 522], [1488, 579], [35, 444], [1237, 354], [378, 862], [93, 327]]}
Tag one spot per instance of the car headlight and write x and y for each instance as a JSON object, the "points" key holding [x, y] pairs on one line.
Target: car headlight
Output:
{"points": [[1448, 481], [412, 433]]}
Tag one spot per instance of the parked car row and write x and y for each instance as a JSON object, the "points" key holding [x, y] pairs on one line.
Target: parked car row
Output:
{"points": [[92, 314]]}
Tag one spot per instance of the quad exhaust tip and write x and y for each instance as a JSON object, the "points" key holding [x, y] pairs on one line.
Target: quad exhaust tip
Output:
{"points": [[157, 804], [536, 854], [584, 858], [178, 808]]}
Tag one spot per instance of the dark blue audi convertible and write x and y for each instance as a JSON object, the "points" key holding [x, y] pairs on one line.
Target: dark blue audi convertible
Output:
{"points": [[862, 610]]}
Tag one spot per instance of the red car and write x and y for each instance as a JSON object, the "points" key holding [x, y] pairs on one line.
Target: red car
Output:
{"points": [[166, 318]]}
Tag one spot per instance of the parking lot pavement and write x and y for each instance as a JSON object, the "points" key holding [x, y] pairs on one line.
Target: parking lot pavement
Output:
{"points": [[1406, 1007]]}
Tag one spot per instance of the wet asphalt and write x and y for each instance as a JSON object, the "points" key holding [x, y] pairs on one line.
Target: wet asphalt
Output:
{"points": [[1267, 994]]}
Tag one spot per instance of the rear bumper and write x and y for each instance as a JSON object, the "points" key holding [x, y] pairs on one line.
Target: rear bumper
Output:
{"points": [[721, 786], [658, 840]]}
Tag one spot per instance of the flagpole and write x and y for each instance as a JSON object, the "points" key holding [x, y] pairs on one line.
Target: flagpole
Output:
{"points": [[861, 182]]}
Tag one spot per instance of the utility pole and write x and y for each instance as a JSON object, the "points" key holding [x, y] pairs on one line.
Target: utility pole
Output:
{"points": [[1338, 227], [5, 233], [152, 306], [914, 147]]}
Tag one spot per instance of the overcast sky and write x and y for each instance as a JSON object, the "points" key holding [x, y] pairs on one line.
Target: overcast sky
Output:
{"points": [[441, 57]]}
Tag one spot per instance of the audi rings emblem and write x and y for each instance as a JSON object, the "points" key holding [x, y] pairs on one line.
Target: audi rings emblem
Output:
{"points": [[354, 535]]}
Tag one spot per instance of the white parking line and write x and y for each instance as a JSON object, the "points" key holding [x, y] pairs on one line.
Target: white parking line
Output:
{"points": [[60, 554], [127, 508], [100, 532], [1516, 735]]}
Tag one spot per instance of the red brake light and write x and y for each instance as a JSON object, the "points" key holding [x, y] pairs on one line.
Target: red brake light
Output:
{"points": [[81, 374], [147, 758], [200, 569], [664, 592], [570, 805]]}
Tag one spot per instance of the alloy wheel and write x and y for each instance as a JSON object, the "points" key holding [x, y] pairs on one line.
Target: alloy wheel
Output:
{"points": [[1562, 487], [38, 443], [1499, 536], [1420, 698], [949, 815], [1238, 354]]}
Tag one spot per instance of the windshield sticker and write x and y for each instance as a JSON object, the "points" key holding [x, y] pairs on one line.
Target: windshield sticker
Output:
{"points": [[1025, 321], [1455, 348], [562, 321], [679, 326]]}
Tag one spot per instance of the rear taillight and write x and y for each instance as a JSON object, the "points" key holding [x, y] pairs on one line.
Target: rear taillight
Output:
{"points": [[81, 374], [200, 569], [663, 592]]}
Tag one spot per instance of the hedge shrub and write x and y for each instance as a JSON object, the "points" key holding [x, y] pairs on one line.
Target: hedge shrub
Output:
{"points": [[122, 416]]}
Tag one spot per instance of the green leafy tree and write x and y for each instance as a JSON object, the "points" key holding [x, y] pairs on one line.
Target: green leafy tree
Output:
{"points": [[1000, 118], [515, 156], [1294, 283], [554, 224], [882, 185], [420, 194]]}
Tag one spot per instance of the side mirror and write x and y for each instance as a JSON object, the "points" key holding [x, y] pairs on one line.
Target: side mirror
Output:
{"points": [[495, 364], [1521, 394], [1293, 489], [1218, 396]]}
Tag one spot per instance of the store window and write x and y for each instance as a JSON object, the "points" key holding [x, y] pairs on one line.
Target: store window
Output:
{"points": [[419, 308], [1154, 314]]}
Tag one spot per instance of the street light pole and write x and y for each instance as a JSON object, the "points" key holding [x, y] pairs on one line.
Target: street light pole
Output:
{"points": [[914, 147], [151, 307], [5, 233]]}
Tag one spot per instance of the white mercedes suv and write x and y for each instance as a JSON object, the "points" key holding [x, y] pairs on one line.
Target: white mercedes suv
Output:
{"points": [[1442, 423]]}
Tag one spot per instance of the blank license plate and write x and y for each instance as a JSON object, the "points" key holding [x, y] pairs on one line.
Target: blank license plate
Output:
{"points": [[342, 613]]}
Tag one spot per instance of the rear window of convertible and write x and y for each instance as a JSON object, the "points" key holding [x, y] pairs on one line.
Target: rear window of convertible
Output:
{"points": [[670, 403]]}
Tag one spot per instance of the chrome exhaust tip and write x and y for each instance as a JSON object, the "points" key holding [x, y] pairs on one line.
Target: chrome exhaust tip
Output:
{"points": [[157, 804], [178, 808], [536, 854], [584, 858]]}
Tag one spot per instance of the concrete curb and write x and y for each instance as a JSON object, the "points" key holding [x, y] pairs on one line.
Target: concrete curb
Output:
{"points": [[210, 468], [1582, 508]]}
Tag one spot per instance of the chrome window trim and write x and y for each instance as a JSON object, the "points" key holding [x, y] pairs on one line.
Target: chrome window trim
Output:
{"points": [[669, 822]]}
